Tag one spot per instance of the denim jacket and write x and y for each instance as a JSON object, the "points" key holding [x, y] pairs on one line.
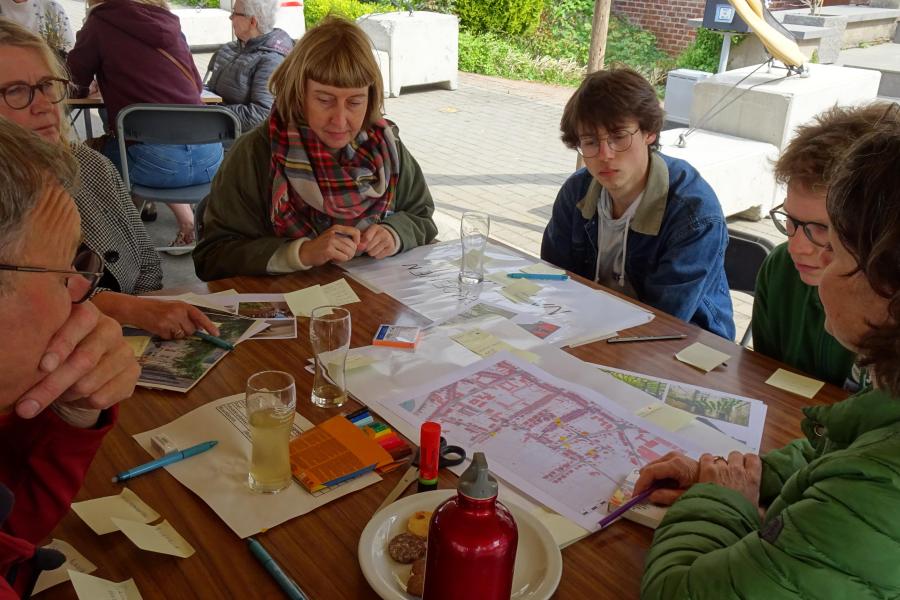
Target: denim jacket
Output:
{"points": [[676, 242]]}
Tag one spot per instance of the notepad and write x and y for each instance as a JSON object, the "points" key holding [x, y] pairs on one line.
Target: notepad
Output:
{"points": [[702, 357], [75, 561], [88, 587], [160, 538], [397, 336], [521, 291], [337, 293], [485, 344], [797, 384], [333, 452], [665, 416], [646, 514], [99, 512]]}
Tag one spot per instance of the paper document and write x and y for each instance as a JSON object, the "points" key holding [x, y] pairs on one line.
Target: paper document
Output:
{"points": [[797, 384], [74, 562], [702, 357], [160, 538], [302, 302], [542, 269], [99, 512], [339, 292], [138, 343], [665, 416], [486, 344], [219, 476], [521, 291], [88, 587]]}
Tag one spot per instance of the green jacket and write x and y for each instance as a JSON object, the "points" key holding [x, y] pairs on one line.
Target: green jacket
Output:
{"points": [[789, 322], [238, 237], [831, 530]]}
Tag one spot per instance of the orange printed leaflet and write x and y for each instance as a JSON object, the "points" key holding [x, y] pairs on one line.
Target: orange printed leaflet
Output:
{"points": [[333, 452]]}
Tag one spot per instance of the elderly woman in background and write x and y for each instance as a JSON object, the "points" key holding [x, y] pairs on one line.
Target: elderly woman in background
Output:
{"points": [[326, 179], [33, 85], [240, 70], [830, 528], [137, 52], [43, 17]]}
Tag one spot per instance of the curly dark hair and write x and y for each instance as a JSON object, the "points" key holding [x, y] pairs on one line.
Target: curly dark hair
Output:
{"points": [[608, 98], [864, 208]]}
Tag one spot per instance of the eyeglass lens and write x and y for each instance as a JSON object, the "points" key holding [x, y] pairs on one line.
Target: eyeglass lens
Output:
{"points": [[21, 95]]}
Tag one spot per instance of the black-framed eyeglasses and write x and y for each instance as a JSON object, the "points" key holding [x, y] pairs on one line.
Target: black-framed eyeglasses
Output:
{"points": [[618, 141], [234, 13], [87, 264], [20, 95], [817, 233]]}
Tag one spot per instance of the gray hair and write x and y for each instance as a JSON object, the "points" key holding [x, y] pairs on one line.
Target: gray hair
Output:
{"points": [[264, 11], [26, 161]]}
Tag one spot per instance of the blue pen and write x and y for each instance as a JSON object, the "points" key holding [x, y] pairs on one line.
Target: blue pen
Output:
{"points": [[168, 459], [288, 585], [554, 276], [214, 340]]}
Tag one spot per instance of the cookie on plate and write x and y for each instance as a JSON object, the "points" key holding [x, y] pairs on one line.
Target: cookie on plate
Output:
{"points": [[406, 548], [418, 523], [416, 584]]}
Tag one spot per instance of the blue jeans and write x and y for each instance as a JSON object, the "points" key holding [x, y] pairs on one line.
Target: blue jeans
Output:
{"points": [[167, 166]]}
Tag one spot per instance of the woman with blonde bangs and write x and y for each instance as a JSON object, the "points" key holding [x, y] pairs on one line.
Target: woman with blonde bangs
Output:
{"points": [[33, 85], [325, 178]]}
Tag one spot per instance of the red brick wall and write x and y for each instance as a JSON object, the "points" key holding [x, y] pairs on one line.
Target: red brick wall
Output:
{"points": [[668, 20]]}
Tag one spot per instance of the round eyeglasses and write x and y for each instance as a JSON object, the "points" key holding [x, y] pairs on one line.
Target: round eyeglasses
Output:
{"points": [[816, 233], [618, 141], [20, 95], [87, 264]]}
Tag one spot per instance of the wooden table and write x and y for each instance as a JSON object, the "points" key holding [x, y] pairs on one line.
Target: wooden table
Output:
{"points": [[320, 549], [84, 106]]}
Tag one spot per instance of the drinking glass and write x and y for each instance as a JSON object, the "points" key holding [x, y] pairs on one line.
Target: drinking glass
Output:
{"points": [[271, 403], [329, 335], [474, 229]]}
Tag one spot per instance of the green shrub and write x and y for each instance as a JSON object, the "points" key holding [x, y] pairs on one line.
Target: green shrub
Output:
{"points": [[199, 3], [703, 53], [513, 17], [492, 54], [316, 10]]}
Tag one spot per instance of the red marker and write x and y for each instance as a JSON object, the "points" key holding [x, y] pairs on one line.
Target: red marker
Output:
{"points": [[429, 455]]}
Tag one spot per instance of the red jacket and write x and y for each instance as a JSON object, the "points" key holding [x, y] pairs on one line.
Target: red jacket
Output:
{"points": [[120, 44], [43, 462]]}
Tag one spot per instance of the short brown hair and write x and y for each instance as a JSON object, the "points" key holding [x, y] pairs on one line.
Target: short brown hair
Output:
{"points": [[335, 52], [818, 146], [607, 99], [864, 208]]}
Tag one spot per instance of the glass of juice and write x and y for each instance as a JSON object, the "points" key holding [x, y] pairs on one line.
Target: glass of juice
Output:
{"points": [[329, 335], [271, 402]]}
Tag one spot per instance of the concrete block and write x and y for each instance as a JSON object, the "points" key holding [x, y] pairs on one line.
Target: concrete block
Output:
{"points": [[884, 3], [422, 47], [384, 66], [738, 170], [768, 106], [205, 27]]}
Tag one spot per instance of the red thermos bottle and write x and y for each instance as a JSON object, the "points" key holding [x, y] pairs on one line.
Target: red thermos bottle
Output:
{"points": [[472, 542]]}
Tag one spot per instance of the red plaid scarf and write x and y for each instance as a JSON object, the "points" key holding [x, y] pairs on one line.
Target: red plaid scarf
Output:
{"points": [[312, 190]]}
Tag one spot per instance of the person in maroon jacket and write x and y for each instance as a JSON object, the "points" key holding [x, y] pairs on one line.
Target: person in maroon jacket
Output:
{"points": [[137, 52], [63, 366]]}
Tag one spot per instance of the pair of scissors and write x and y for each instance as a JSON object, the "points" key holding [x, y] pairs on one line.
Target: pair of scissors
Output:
{"points": [[449, 456]]}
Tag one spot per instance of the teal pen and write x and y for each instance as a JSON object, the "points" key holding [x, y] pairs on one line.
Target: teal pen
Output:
{"points": [[287, 585], [162, 461], [554, 276], [214, 340]]}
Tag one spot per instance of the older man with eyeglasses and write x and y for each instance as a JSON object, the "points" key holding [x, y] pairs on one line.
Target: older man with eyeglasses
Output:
{"points": [[633, 219], [788, 318], [63, 366]]}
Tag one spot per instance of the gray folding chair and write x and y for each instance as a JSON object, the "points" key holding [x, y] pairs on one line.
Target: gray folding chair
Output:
{"points": [[173, 124], [743, 259]]}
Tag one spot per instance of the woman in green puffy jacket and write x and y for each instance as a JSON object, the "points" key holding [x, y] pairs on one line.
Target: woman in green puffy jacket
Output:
{"points": [[817, 518]]}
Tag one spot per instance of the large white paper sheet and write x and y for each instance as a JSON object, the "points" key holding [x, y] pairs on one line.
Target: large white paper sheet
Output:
{"points": [[738, 417], [219, 476], [564, 445], [426, 280]]}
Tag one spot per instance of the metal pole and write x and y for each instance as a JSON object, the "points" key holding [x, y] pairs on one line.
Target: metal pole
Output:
{"points": [[723, 55]]}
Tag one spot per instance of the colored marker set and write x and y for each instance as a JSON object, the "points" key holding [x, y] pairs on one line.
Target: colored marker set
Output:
{"points": [[384, 436]]}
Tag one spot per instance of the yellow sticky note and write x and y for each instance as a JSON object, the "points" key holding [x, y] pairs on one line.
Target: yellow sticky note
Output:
{"points": [[797, 384], [160, 538], [137, 343], [665, 416], [498, 277], [302, 302], [521, 291], [702, 357], [88, 587], [542, 269], [485, 344], [340, 293], [99, 512]]}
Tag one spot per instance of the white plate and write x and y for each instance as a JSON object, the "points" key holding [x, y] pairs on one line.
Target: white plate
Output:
{"points": [[538, 560]]}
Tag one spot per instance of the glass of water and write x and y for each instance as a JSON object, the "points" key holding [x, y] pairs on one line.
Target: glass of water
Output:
{"points": [[329, 335], [271, 398], [474, 229]]}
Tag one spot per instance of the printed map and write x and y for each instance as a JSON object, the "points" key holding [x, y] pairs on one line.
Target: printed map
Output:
{"points": [[566, 446]]}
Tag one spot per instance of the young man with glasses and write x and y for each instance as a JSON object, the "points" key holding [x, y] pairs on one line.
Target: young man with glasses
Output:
{"points": [[788, 318], [633, 219], [63, 366]]}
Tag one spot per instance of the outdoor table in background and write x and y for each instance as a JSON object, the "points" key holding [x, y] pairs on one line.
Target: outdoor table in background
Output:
{"points": [[319, 550]]}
